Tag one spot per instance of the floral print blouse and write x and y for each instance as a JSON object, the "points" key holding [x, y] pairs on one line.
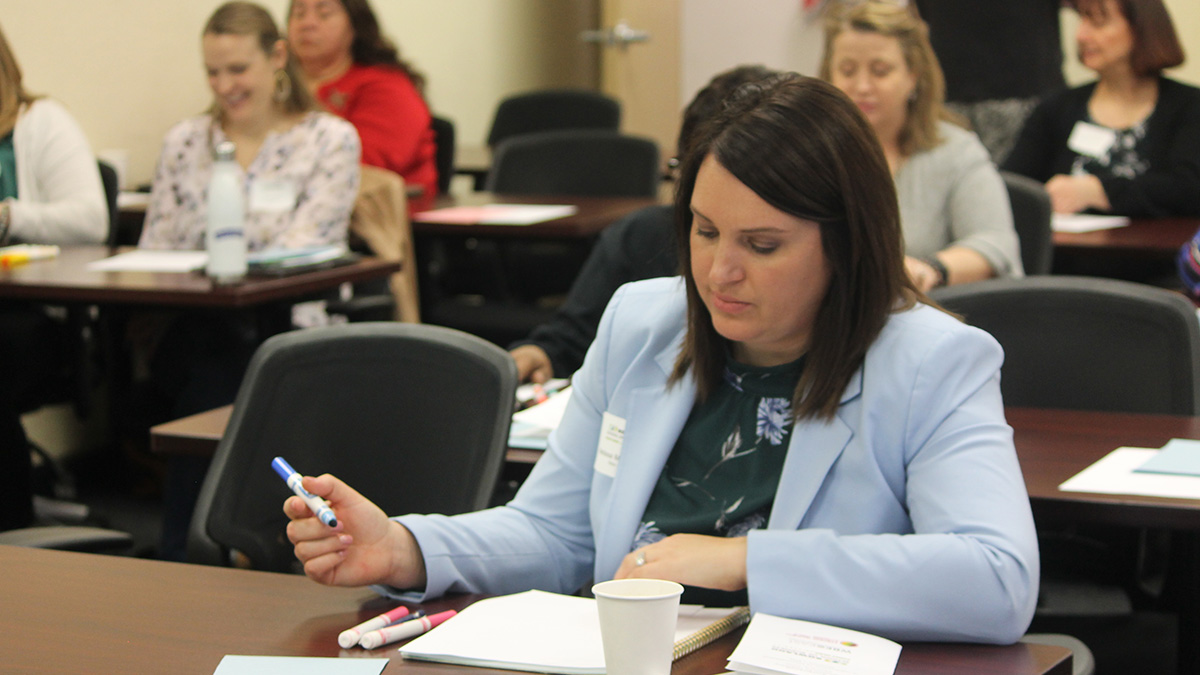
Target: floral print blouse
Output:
{"points": [[722, 474], [300, 188]]}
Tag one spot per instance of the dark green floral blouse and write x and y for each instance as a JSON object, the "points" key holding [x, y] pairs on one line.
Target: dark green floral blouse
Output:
{"points": [[722, 474]]}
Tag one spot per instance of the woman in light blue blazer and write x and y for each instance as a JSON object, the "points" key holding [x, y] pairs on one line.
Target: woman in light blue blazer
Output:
{"points": [[788, 424]]}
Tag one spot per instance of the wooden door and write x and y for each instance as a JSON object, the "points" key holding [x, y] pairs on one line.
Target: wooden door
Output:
{"points": [[644, 74]]}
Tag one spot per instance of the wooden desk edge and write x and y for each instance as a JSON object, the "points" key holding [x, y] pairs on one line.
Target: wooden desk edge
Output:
{"points": [[313, 615], [197, 434]]}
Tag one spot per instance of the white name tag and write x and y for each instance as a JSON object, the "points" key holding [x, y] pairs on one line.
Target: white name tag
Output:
{"points": [[272, 196], [608, 450], [1091, 140]]}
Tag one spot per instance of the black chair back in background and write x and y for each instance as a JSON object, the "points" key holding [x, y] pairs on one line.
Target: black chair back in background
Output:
{"points": [[444, 138], [1087, 343], [586, 162], [415, 417], [1032, 213], [495, 290], [110, 180], [552, 109]]}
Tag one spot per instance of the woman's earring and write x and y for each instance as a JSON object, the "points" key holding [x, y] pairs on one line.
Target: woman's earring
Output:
{"points": [[283, 86]]}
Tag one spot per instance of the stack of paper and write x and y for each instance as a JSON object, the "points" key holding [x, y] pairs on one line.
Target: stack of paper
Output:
{"points": [[1085, 222], [777, 646], [1172, 471], [279, 261], [151, 261], [531, 427]]}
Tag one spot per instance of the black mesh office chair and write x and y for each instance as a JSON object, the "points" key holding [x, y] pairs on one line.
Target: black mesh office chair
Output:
{"points": [[1088, 344], [1032, 212], [577, 162], [108, 178], [444, 138], [553, 109], [415, 417], [498, 291], [71, 381]]}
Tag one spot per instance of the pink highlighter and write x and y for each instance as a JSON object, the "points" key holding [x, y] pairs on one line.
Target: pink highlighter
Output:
{"points": [[390, 634], [349, 637]]}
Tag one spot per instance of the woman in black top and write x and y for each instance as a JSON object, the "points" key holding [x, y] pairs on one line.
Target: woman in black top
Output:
{"points": [[1128, 143]]}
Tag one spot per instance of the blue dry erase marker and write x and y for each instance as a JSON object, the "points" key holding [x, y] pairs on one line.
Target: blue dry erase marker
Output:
{"points": [[315, 503]]}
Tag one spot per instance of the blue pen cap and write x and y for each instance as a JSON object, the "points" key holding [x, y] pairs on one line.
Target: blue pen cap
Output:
{"points": [[282, 468]]}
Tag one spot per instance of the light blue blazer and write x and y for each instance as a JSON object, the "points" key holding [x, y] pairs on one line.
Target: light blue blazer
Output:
{"points": [[906, 516]]}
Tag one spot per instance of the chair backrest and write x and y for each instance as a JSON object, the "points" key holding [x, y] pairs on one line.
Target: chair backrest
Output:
{"points": [[108, 177], [380, 218], [1087, 343], [1032, 212], [553, 109], [415, 417], [443, 138], [586, 162]]}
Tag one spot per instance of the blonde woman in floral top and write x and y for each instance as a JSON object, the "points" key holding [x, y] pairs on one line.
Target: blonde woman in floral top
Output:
{"points": [[302, 171], [301, 166]]}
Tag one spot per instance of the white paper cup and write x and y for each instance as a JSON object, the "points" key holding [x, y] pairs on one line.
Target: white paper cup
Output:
{"points": [[637, 624]]}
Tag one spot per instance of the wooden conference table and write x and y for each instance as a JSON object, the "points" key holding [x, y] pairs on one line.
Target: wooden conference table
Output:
{"points": [[1052, 446], [1143, 251], [78, 613], [1145, 235], [592, 215], [66, 280]]}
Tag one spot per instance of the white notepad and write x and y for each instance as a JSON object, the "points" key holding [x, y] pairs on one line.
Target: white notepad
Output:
{"points": [[151, 261], [774, 645]]}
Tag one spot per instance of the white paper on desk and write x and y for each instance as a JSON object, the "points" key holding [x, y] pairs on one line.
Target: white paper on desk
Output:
{"points": [[1085, 222], [497, 214], [534, 631], [774, 645], [151, 261], [531, 427], [298, 665], [1114, 475], [127, 199]]}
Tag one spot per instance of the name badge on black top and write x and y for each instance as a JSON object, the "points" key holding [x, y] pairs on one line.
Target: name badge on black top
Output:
{"points": [[1090, 139]]}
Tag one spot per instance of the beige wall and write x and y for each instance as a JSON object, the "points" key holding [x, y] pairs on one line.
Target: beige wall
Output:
{"points": [[128, 69], [717, 34]]}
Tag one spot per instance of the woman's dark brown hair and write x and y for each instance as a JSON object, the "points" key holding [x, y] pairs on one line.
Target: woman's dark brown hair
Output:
{"points": [[804, 148], [371, 47], [1155, 44]]}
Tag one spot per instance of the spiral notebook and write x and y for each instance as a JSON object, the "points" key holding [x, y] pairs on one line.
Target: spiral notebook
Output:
{"points": [[544, 632]]}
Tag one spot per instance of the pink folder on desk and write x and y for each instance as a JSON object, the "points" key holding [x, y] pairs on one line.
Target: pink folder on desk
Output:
{"points": [[496, 214]]}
